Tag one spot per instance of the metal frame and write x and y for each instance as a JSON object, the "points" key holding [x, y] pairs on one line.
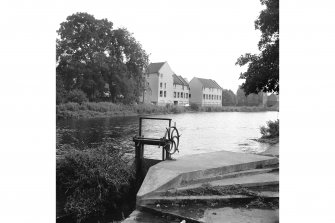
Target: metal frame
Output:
{"points": [[140, 141]]}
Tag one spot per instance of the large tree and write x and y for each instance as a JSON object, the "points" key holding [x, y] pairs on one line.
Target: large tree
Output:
{"points": [[92, 57], [228, 98], [262, 74]]}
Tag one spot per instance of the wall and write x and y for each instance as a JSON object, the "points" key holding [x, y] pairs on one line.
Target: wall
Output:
{"points": [[165, 77], [208, 101], [179, 89]]}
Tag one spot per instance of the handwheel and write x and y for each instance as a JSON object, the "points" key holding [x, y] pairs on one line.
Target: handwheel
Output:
{"points": [[172, 137]]}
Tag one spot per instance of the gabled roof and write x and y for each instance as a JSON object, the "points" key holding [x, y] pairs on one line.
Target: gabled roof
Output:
{"points": [[179, 80], [209, 83], [183, 80], [155, 67]]}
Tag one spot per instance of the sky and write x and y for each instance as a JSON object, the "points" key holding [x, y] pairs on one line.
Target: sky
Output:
{"points": [[196, 38]]}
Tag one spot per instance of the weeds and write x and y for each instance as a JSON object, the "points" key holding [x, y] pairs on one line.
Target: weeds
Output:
{"points": [[93, 180]]}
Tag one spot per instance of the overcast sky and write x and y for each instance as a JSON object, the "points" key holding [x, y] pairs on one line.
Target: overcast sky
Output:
{"points": [[197, 38]]}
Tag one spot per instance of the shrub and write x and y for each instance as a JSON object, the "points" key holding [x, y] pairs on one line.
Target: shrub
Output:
{"points": [[271, 130], [76, 96], [94, 179], [194, 107]]}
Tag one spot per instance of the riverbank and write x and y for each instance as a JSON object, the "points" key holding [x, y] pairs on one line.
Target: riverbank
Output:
{"points": [[108, 109]]}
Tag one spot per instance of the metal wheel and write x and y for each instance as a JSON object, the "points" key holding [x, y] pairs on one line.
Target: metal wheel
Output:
{"points": [[172, 136]]}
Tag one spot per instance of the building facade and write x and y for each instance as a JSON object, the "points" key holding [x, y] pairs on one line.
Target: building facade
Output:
{"points": [[159, 84], [205, 92], [181, 91]]}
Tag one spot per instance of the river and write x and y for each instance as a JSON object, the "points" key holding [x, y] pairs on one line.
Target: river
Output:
{"points": [[200, 132]]}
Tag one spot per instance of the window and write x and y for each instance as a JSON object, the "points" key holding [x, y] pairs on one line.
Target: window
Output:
{"points": [[189, 95], [161, 84], [203, 96], [181, 94], [165, 85], [186, 95], [206, 96], [160, 93], [174, 94], [164, 94], [178, 95]]}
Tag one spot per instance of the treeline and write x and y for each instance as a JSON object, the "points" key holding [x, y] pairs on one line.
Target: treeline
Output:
{"points": [[96, 62], [240, 99]]}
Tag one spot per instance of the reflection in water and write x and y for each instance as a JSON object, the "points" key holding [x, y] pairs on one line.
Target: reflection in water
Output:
{"points": [[200, 132]]}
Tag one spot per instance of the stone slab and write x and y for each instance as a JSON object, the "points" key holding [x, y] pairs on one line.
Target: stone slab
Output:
{"points": [[240, 215], [169, 173], [263, 179], [272, 151]]}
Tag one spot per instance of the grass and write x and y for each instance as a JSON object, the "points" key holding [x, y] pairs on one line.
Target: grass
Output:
{"points": [[108, 109], [270, 132], [207, 189]]}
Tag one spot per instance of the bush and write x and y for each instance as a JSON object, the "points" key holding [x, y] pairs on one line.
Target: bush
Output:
{"points": [[76, 96], [271, 130], [194, 107], [94, 180]]}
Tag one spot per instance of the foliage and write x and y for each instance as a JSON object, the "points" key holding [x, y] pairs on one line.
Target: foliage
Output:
{"points": [[194, 107], [263, 69], [228, 98], [76, 96], [241, 99], [271, 130], [249, 100], [99, 60], [94, 179]]}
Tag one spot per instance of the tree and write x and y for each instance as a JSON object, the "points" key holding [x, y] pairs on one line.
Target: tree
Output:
{"points": [[228, 98], [91, 54], [262, 74], [241, 99]]}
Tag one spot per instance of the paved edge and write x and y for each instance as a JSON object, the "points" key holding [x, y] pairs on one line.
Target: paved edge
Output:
{"points": [[170, 174]]}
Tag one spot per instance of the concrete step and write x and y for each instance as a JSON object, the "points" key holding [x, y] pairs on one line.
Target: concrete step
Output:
{"points": [[171, 214], [169, 174], [206, 199], [240, 215], [215, 214], [230, 175], [247, 181], [144, 217]]}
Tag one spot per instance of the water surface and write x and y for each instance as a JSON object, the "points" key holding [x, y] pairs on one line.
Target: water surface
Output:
{"points": [[200, 132]]}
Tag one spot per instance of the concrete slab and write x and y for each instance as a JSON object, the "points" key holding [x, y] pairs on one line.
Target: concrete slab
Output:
{"points": [[170, 173], [240, 215], [232, 175], [272, 151], [263, 179], [144, 217]]}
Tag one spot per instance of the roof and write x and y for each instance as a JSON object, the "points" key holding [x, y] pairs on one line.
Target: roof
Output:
{"points": [[179, 80], [209, 83], [155, 67]]}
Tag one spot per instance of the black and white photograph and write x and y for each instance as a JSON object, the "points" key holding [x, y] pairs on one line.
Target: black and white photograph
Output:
{"points": [[167, 111], [171, 115]]}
